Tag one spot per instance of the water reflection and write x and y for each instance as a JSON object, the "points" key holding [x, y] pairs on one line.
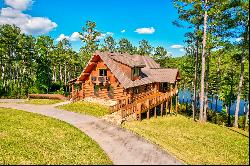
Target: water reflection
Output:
{"points": [[185, 96]]}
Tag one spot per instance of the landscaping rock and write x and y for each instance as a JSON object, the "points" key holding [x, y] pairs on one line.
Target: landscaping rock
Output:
{"points": [[100, 101], [114, 118]]}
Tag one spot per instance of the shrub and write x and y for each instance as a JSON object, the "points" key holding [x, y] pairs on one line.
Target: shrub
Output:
{"points": [[34, 89], [220, 118], [55, 86], [60, 91], [241, 121]]}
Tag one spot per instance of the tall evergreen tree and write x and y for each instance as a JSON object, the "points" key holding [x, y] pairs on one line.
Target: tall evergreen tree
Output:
{"points": [[145, 48]]}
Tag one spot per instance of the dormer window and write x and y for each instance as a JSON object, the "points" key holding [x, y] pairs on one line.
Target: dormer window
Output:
{"points": [[103, 72], [136, 71]]}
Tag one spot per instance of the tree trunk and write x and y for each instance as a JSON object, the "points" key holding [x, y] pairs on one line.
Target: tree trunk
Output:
{"points": [[54, 73], [239, 91], [195, 74], [60, 73], [65, 73], [226, 110], [69, 76], [206, 94], [65, 76], [217, 85], [241, 77], [203, 65], [247, 116]]}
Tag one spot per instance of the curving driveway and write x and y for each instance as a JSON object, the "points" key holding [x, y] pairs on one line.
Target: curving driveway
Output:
{"points": [[122, 146]]}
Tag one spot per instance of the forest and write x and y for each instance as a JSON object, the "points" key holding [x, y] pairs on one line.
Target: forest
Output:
{"points": [[216, 63]]}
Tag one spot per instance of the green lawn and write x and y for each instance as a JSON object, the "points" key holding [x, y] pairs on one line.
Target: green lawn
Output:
{"points": [[41, 101], [27, 138], [86, 108], [193, 142]]}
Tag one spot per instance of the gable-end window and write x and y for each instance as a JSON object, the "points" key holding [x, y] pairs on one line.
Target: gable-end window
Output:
{"points": [[103, 72], [136, 71], [136, 90], [164, 86]]}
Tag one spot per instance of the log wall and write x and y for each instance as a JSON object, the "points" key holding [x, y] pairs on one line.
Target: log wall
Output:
{"points": [[88, 86]]}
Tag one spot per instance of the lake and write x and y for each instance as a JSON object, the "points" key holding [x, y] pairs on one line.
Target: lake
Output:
{"points": [[185, 97]]}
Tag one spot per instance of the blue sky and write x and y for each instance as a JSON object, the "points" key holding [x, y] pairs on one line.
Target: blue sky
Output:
{"points": [[153, 19]]}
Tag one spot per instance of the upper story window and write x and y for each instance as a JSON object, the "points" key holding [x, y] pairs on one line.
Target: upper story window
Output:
{"points": [[164, 86], [102, 72], [136, 71]]}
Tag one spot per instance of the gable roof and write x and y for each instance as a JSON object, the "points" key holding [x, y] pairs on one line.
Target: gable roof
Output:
{"points": [[151, 71], [147, 60], [162, 74], [126, 59]]}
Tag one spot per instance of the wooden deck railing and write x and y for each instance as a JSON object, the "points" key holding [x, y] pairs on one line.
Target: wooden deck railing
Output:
{"points": [[142, 104]]}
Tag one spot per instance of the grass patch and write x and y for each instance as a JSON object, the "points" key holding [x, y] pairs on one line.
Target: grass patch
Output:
{"points": [[28, 138], [41, 101], [86, 108], [193, 142]]}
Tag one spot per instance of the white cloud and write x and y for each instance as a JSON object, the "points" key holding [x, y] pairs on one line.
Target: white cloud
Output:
{"points": [[75, 36], [238, 39], [123, 31], [19, 4], [182, 50], [61, 37], [27, 23], [109, 33], [176, 46], [39, 25], [150, 30], [11, 13], [103, 35]]}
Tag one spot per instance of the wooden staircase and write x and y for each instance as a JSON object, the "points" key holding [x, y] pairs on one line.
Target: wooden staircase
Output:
{"points": [[143, 103]]}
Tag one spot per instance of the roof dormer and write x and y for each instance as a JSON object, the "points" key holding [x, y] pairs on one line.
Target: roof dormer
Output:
{"points": [[136, 72]]}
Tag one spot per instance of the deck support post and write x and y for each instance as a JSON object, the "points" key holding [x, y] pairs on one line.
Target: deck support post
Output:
{"points": [[166, 106], [148, 112], [155, 112], [176, 103], [140, 116], [171, 95], [171, 102], [161, 109], [139, 111]]}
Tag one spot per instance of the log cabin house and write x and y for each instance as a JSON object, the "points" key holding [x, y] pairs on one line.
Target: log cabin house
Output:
{"points": [[136, 82]]}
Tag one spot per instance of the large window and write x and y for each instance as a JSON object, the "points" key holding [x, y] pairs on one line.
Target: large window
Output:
{"points": [[136, 71], [102, 72]]}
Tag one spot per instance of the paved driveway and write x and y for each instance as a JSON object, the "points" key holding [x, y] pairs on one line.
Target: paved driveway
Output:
{"points": [[122, 146]]}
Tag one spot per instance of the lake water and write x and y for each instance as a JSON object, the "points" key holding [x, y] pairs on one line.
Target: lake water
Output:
{"points": [[185, 97]]}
